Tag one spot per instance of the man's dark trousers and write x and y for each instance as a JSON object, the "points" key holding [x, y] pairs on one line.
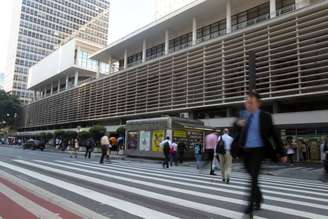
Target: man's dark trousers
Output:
{"points": [[104, 149], [88, 152], [253, 158], [166, 159], [210, 157]]}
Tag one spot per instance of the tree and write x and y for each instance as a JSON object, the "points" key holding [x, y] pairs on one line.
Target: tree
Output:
{"points": [[60, 134], [84, 136], [120, 131], [46, 137], [97, 132], [70, 135], [10, 108]]}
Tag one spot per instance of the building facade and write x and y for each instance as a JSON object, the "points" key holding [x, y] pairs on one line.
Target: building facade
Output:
{"points": [[195, 64], [166, 7], [40, 26], [2, 79], [67, 67]]}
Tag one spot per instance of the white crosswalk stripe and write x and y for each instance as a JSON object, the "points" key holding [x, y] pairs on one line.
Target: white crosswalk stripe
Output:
{"points": [[284, 197], [272, 180]]}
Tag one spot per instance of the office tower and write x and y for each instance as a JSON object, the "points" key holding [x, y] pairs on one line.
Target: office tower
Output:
{"points": [[40, 26]]}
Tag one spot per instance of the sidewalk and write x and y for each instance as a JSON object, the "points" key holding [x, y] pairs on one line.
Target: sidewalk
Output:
{"points": [[267, 164], [80, 153]]}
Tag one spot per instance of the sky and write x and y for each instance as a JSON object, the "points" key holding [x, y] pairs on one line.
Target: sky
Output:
{"points": [[126, 17], [5, 24]]}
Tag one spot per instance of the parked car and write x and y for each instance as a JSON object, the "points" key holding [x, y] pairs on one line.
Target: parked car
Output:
{"points": [[34, 144]]}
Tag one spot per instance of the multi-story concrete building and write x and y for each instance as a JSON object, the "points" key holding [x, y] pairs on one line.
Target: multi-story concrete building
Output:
{"points": [[166, 7], [40, 26], [65, 68], [194, 63]]}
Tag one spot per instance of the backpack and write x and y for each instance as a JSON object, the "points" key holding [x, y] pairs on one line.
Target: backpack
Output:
{"points": [[220, 147], [166, 147], [90, 143]]}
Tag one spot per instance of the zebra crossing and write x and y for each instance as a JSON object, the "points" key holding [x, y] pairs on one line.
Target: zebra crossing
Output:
{"points": [[135, 190]]}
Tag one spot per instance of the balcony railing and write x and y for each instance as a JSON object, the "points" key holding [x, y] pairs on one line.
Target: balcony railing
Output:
{"points": [[155, 56], [251, 22], [134, 63], [179, 47], [239, 26], [285, 10]]}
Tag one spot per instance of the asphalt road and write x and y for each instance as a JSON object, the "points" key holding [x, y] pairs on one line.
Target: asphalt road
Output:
{"points": [[79, 188]]}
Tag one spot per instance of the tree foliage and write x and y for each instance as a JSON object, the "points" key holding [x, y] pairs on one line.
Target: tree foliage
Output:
{"points": [[60, 134], [97, 132], [46, 136], [120, 131], [10, 108], [84, 135]]}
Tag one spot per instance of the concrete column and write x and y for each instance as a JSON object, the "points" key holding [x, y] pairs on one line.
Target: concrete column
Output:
{"points": [[51, 88], [275, 107], [110, 63], [194, 31], [125, 58], [144, 50], [66, 82], [302, 3], [58, 88], [98, 69], [34, 95], [228, 16], [273, 9], [167, 42], [228, 112], [76, 79], [45, 91]]}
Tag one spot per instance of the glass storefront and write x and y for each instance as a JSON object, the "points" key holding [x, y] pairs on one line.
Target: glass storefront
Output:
{"points": [[307, 142]]}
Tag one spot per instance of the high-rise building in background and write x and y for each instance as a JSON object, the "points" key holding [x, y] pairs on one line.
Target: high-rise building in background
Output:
{"points": [[2, 78], [165, 7], [39, 27]]}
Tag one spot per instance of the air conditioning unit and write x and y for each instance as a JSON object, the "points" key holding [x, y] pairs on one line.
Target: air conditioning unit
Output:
{"points": [[184, 115]]}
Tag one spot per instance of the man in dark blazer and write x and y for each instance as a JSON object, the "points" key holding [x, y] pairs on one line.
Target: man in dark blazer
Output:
{"points": [[255, 135]]}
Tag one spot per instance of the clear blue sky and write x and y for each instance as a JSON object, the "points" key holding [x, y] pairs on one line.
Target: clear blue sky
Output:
{"points": [[126, 16]]}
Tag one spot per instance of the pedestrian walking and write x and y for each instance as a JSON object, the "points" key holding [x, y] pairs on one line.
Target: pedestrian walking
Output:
{"points": [[211, 142], [324, 154], [173, 154], [165, 145], [91, 144], [104, 144], [113, 143], [225, 156], [290, 150], [304, 149], [254, 145], [76, 148], [198, 153], [181, 149]]}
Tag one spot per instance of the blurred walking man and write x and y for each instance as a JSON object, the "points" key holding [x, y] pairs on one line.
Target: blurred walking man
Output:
{"points": [[256, 129]]}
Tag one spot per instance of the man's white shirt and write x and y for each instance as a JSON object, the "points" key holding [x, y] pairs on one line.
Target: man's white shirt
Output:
{"points": [[227, 139]]}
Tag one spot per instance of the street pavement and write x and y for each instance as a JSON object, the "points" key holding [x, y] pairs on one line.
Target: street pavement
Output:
{"points": [[35, 184]]}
